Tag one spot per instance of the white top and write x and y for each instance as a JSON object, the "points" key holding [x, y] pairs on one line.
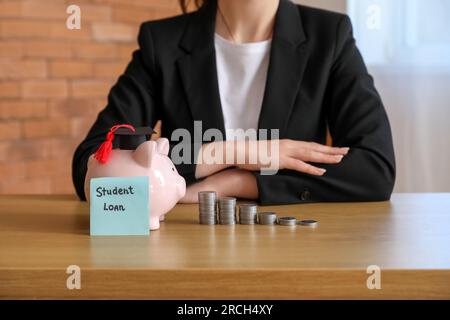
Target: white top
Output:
{"points": [[242, 74]]}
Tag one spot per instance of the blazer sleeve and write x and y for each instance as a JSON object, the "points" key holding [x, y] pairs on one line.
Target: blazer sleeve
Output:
{"points": [[132, 100], [356, 119]]}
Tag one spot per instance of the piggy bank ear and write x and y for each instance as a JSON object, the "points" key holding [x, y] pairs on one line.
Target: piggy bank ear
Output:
{"points": [[162, 146], [145, 153]]}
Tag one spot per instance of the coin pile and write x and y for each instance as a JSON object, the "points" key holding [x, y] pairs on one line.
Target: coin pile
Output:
{"points": [[267, 218], [247, 214], [227, 210], [287, 221], [207, 205]]}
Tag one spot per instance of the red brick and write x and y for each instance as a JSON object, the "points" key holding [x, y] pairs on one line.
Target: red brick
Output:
{"points": [[129, 14], [16, 69], [10, 9], [9, 89], [126, 50], [110, 70], [23, 150], [44, 89], [11, 49], [22, 109], [94, 50], [69, 108], [95, 13], [46, 9], [90, 10], [3, 150], [80, 126], [90, 88], [47, 49], [114, 32], [165, 4], [46, 128], [48, 168], [70, 69], [24, 29], [10, 130], [64, 148], [62, 185], [34, 186], [13, 170], [32, 29]]}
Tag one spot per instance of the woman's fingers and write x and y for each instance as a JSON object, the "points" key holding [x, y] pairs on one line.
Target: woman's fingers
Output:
{"points": [[327, 149], [319, 157], [300, 166]]}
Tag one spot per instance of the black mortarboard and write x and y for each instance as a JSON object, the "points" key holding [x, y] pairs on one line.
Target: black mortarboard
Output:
{"points": [[128, 139]]}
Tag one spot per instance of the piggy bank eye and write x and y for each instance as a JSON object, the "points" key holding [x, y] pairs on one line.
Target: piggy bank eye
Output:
{"points": [[173, 169]]}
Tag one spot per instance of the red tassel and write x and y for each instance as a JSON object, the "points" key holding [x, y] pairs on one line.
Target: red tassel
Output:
{"points": [[104, 151]]}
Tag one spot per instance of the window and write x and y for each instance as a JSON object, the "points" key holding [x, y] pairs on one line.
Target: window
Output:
{"points": [[402, 32]]}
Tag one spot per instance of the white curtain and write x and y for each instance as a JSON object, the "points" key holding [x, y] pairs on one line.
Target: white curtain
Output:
{"points": [[418, 104]]}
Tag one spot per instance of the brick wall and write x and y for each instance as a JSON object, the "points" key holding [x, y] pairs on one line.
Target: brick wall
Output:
{"points": [[54, 81]]}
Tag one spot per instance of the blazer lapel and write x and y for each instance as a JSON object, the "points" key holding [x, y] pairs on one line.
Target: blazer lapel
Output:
{"points": [[198, 69], [288, 59]]}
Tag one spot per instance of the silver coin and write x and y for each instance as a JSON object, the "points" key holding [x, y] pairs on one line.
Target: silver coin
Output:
{"points": [[308, 223], [267, 217], [227, 199], [287, 221], [227, 208], [207, 211], [247, 218], [207, 204], [202, 193], [228, 222], [247, 206], [209, 196]]}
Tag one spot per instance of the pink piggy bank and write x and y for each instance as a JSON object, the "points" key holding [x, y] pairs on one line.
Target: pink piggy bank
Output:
{"points": [[166, 186]]}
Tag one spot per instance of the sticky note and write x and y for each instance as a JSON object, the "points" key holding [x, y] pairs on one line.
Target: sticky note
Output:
{"points": [[119, 206]]}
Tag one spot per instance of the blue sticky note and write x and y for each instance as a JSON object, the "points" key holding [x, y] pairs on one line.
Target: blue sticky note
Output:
{"points": [[119, 206]]}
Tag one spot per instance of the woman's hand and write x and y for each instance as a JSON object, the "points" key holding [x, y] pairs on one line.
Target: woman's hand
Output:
{"points": [[295, 155], [227, 183], [254, 155]]}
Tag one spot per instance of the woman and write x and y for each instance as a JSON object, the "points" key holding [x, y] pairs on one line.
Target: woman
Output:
{"points": [[258, 64]]}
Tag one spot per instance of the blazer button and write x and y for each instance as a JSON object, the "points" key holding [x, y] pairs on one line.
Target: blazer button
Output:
{"points": [[305, 195]]}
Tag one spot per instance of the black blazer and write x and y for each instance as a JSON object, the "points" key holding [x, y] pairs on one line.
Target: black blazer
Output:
{"points": [[316, 78]]}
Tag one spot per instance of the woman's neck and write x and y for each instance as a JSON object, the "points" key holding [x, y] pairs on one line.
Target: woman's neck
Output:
{"points": [[243, 21]]}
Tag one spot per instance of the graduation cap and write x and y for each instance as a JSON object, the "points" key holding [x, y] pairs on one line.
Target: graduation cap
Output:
{"points": [[129, 138]]}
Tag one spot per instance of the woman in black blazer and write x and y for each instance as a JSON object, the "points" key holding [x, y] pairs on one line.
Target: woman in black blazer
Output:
{"points": [[316, 79]]}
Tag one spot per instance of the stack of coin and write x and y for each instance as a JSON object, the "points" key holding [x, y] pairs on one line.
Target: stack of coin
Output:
{"points": [[227, 210], [287, 221], [207, 205], [247, 214], [267, 218]]}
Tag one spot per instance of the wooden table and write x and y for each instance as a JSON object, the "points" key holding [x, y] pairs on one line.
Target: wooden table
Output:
{"points": [[408, 238]]}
